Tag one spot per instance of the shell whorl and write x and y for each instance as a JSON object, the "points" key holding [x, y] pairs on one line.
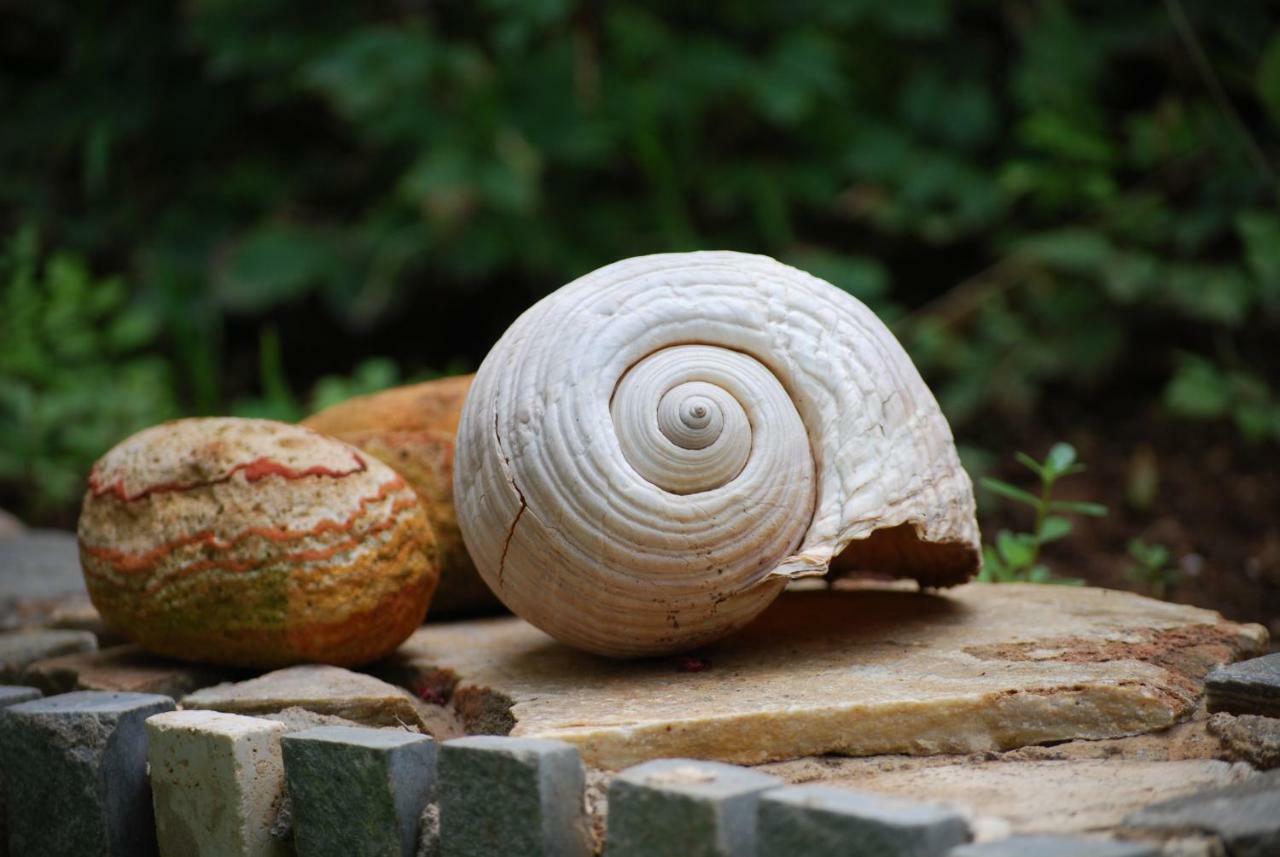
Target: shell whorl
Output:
{"points": [[651, 452]]}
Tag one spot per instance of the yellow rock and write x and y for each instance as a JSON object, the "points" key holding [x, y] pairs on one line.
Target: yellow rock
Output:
{"points": [[857, 672], [412, 429]]}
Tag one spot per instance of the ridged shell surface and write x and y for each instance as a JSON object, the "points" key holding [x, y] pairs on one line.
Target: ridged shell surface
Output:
{"points": [[254, 543], [650, 453]]}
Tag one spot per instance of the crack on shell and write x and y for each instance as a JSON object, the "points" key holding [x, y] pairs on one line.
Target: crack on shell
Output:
{"points": [[506, 470]]}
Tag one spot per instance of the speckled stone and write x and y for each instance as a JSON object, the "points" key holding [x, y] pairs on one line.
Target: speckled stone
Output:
{"points": [[1249, 687], [978, 668], [686, 807], [10, 695], [413, 429], [817, 821], [76, 778], [511, 796], [358, 792], [217, 780], [254, 543]]}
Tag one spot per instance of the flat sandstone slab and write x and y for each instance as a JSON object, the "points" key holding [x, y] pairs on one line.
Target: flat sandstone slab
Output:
{"points": [[857, 672]]}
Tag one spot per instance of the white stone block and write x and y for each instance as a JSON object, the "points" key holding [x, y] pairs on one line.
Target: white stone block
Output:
{"points": [[217, 781]]}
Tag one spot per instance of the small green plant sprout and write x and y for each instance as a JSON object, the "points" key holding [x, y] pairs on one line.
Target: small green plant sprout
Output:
{"points": [[1015, 557], [1151, 567]]}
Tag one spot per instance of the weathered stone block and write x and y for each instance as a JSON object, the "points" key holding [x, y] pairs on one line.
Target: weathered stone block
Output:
{"points": [[511, 796], [813, 820], [686, 807], [75, 769], [1249, 687], [19, 649], [329, 690], [1245, 816], [1057, 846], [358, 792], [217, 780]]}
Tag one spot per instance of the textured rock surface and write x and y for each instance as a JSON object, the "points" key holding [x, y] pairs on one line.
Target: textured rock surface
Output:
{"points": [[413, 429], [254, 543], [684, 806], [816, 821], [1249, 738], [217, 780], [1246, 816], [1251, 687], [120, 668], [75, 774], [358, 791], [861, 672], [328, 690], [511, 796], [10, 695], [40, 573], [20, 649]]}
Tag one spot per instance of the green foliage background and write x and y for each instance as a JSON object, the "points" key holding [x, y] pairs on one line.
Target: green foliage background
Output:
{"points": [[214, 204]]}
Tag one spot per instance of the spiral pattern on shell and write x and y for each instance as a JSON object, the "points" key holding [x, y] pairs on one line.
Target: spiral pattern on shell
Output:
{"points": [[650, 453]]}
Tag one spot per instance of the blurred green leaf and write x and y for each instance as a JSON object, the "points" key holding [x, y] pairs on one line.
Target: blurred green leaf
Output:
{"points": [[1004, 489]]}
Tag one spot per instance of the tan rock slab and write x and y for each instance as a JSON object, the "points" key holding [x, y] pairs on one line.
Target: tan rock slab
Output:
{"points": [[979, 668], [332, 691], [124, 668]]}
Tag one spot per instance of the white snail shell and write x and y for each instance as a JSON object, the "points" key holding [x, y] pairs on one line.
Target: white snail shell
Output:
{"points": [[651, 452]]}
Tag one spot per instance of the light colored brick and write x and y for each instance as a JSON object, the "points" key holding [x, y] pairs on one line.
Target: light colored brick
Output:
{"points": [[218, 780]]}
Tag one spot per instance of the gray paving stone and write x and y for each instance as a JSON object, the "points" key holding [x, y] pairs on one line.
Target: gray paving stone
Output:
{"points": [[12, 694], [1245, 816], [511, 796], [19, 649], [1249, 687], [686, 807], [1057, 846], [40, 570], [75, 772], [814, 820], [358, 792]]}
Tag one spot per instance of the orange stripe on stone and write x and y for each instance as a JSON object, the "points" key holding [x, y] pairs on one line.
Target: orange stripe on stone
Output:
{"points": [[259, 468], [242, 566], [124, 562]]}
